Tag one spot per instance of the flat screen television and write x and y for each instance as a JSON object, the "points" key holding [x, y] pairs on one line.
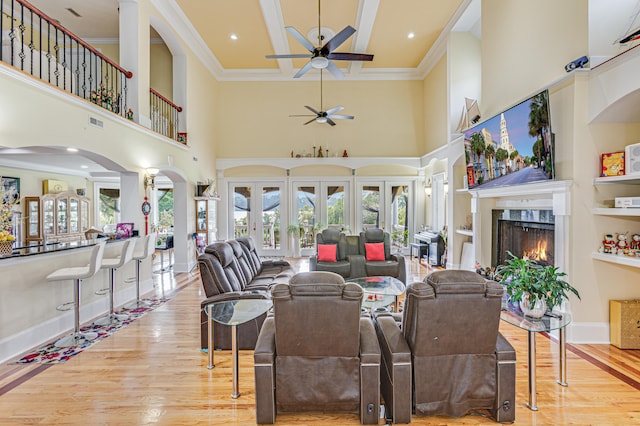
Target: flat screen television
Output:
{"points": [[511, 148]]}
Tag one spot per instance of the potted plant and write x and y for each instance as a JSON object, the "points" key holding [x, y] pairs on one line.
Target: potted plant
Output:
{"points": [[536, 287], [294, 232]]}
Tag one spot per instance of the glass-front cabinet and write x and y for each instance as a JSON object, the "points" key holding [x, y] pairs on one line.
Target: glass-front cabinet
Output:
{"points": [[84, 215], [62, 216], [48, 214], [56, 217], [32, 216], [74, 215]]}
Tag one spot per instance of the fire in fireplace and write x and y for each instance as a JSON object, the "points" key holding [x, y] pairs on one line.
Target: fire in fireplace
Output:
{"points": [[524, 233]]}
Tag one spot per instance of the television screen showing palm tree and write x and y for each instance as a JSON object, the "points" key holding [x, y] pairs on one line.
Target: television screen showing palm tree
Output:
{"points": [[511, 148]]}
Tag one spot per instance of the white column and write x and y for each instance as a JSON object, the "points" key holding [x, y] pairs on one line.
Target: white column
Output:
{"points": [[130, 55], [130, 202], [181, 239]]}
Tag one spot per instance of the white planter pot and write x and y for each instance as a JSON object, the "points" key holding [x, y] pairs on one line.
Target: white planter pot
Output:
{"points": [[536, 311]]}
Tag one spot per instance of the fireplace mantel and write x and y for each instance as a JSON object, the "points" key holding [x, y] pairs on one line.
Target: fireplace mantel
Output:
{"points": [[553, 195], [547, 195]]}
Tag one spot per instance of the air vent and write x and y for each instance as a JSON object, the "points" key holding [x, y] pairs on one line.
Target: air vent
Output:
{"points": [[95, 122]]}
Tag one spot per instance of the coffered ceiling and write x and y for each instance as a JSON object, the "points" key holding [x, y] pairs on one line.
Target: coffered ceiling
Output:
{"points": [[240, 33]]}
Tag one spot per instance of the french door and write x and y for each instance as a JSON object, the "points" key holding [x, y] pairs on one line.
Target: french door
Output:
{"points": [[387, 205], [258, 210], [316, 206]]}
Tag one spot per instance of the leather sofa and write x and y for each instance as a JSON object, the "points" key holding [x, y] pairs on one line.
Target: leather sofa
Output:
{"points": [[447, 357], [233, 270], [317, 352], [351, 255]]}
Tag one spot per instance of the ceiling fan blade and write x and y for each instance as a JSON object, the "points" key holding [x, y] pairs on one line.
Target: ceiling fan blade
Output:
{"points": [[335, 109], [338, 56], [301, 39], [330, 121], [301, 115], [310, 121], [335, 71], [294, 56], [338, 39], [340, 117], [303, 70], [312, 110]]}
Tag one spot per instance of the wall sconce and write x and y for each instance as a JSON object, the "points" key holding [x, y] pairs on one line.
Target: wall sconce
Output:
{"points": [[149, 177], [427, 187]]}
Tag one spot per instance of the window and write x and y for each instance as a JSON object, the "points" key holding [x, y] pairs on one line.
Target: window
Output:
{"points": [[107, 204]]}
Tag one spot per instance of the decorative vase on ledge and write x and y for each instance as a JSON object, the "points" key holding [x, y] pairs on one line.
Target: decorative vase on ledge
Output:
{"points": [[6, 248], [536, 311]]}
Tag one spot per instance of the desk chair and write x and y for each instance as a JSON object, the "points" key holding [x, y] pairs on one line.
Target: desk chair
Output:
{"points": [[147, 247], [77, 274], [126, 255]]}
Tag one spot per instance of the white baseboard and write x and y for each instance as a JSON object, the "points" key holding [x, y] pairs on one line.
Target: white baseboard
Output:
{"points": [[12, 346], [588, 333]]}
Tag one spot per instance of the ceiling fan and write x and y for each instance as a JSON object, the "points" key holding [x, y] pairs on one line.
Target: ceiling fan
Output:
{"points": [[325, 116], [322, 56]]}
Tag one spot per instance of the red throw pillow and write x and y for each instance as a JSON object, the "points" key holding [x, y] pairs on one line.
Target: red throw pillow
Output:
{"points": [[327, 252], [374, 251]]}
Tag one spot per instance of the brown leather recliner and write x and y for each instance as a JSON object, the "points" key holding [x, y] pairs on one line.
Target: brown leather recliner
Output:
{"points": [[233, 270], [317, 352], [449, 357]]}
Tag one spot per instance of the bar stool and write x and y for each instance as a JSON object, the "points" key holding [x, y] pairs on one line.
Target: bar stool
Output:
{"points": [[148, 246], [77, 274], [112, 264]]}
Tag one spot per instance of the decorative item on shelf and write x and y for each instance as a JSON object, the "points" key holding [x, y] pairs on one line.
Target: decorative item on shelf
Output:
{"points": [[622, 245], [182, 137], [634, 245], [129, 114], [103, 97], [207, 189], [526, 282], [320, 154], [345, 154], [608, 244], [50, 186], [81, 192], [612, 164]]}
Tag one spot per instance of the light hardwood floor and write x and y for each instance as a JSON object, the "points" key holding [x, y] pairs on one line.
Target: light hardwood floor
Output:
{"points": [[152, 372]]}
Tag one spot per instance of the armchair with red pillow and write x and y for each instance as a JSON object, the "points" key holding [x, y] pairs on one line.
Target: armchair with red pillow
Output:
{"points": [[375, 244], [356, 256]]}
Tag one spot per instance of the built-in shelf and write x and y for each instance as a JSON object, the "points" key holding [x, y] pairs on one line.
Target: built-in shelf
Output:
{"points": [[467, 232], [633, 179], [462, 190], [614, 258], [610, 211]]}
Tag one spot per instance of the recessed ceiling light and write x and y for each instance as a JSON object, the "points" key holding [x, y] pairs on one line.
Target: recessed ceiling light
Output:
{"points": [[411, 35], [84, 166], [233, 36], [72, 149]]}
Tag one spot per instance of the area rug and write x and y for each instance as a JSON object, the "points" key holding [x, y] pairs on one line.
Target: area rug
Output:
{"points": [[50, 354]]}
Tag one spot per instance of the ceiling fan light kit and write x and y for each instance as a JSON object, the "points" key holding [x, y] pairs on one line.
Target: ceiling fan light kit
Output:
{"points": [[319, 62]]}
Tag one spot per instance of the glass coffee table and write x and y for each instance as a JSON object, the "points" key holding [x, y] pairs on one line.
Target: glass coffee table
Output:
{"points": [[380, 291], [233, 313], [547, 323]]}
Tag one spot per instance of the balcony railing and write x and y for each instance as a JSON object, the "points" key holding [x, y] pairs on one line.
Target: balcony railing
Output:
{"points": [[165, 117], [40, 46]]}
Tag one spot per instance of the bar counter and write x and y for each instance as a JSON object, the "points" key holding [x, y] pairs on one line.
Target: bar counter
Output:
{"points": [[36, 249], [28, 315]]}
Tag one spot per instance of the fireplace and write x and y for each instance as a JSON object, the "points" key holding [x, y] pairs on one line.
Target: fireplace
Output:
{"points": [[527, 233]]}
